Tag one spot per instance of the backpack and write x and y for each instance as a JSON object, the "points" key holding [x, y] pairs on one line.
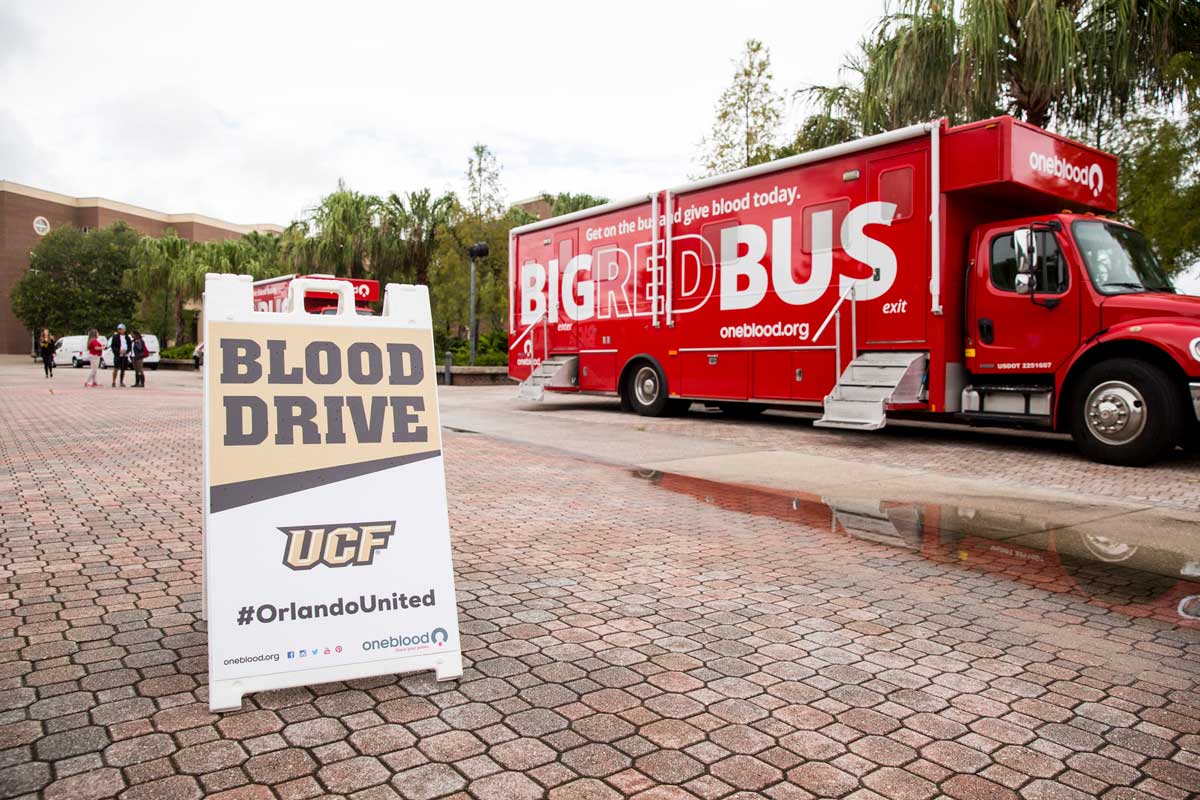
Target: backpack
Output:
{"points": [[139, 349]]}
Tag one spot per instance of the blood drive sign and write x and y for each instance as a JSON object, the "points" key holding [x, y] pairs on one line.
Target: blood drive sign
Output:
{"points": [[326, 547]]}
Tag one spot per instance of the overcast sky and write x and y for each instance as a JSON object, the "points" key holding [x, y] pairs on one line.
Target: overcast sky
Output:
{"points": [[251, 111]]}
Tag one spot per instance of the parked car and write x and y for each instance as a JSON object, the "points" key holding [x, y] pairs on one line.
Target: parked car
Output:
{"points": [[151, 361], [71, 350]]}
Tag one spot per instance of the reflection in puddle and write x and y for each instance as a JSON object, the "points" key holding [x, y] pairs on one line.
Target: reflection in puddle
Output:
{"points": [[1116, 572]]}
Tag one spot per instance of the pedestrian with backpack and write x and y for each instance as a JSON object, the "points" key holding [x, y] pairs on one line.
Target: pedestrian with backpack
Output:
{"points": [[138, 355]]}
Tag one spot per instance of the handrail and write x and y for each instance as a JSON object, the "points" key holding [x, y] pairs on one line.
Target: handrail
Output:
{"points": [[667, 259], [543, 318], [526, 331], [654, 259], [836, 306]]}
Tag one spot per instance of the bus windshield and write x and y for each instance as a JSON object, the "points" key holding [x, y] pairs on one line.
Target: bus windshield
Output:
{"points": [[1119, 260]]}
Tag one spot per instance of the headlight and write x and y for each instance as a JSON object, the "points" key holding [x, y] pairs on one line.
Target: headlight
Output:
{"points": [[1195, 348]]}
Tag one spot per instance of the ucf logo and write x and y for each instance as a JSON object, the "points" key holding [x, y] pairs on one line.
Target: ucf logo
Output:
{"points": [[344, 545]]}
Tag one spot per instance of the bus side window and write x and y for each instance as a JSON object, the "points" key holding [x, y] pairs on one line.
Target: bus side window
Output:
{"points": [[896, 186]]}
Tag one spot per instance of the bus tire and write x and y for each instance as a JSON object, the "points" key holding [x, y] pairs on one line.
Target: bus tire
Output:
{"points": [[1126, 412], [646, 390]]}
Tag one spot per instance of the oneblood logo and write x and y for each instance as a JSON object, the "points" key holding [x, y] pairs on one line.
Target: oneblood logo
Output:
{"points": [[1057, 167]]}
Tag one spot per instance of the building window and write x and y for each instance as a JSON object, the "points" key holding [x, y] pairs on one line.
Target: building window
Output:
{"points": [[41, 226]]}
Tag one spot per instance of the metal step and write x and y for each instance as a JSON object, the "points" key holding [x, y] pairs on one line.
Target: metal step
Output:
{"points": [[886, 358], [876, 375], [862, 415], [869, 383], [870, 392], [556, 371]]}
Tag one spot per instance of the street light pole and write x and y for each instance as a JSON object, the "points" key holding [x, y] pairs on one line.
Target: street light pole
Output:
{"points": [[477, 250]]}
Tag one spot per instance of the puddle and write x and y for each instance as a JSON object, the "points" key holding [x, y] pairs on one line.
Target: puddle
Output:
{"points": [[1133, 571]]}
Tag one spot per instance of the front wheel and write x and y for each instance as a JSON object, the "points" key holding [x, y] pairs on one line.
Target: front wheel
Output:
{"points": [[1126, 412], [646, 391]]}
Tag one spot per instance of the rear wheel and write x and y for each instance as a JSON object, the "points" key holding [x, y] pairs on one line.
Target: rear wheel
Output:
{"points": [[153, 367], [1126, 412], [76, 363], [646, 390]]}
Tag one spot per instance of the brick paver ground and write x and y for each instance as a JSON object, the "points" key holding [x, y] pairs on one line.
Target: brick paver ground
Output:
{"points": [[621, 640]]}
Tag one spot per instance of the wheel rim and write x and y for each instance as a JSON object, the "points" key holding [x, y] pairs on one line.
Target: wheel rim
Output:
{"points": [[1108, 549], [645, 386], [1116, 412]]}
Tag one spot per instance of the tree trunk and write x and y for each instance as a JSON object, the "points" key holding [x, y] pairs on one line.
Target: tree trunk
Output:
{"points": [[179, 332]]}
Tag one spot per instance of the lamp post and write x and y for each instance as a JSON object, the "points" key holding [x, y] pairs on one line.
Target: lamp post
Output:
{"points": [[477, 250]]}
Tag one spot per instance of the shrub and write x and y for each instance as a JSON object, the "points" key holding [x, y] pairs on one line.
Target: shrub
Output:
{"points": [[178, 351]]}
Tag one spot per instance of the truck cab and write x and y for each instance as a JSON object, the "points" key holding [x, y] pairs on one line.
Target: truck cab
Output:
{"points": [[1071, 323]]}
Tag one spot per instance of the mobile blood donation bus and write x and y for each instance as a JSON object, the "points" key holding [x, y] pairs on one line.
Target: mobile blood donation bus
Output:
{"points": [[961, 273], [270, 294]]}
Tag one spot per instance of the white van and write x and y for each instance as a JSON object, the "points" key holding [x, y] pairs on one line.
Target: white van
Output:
{"points": [[151, 361], [71, 350]]}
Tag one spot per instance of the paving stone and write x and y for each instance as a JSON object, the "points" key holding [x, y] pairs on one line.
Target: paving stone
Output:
{"points": [[746, 772], [584, 789], [739, 640], [176, 787], [353, 774], [823, 780], [898, 784], [522, 754], [428, 781]]}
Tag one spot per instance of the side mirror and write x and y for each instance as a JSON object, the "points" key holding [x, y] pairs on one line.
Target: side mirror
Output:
{"points": [[1024, 284], [1025, 244]]}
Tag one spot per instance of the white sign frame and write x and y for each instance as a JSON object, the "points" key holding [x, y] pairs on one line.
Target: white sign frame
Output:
{"points": [[419, 545]]}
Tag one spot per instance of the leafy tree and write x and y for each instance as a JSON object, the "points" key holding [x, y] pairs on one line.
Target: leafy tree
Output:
{"points": [[1076, 64], [337, 236], [485, 195], [1160, 185], [816, 132], [154, 260], [748, 115], [75, 280], [408, 231], [566, 202], [172, 270]]}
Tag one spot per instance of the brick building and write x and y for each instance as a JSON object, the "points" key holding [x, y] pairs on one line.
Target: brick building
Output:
{"points": [[27, 214]]}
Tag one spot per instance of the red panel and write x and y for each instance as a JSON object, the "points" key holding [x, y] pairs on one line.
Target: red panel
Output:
{"points": [[1064, 168], [715, 374], [971, 156], [598, 372], [773, 375]]}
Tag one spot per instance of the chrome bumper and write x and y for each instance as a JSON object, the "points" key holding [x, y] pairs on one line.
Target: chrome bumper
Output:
{"points": [[1195, 387]]}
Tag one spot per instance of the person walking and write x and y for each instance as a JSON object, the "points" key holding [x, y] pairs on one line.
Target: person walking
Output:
{"points": [[138, 353], [46, 347], [95, 349], [121, 346]]}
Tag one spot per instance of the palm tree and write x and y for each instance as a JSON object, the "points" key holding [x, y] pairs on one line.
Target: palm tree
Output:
{"points": [[155, 261], [1078, 64], [407, 235], [343, 228]]}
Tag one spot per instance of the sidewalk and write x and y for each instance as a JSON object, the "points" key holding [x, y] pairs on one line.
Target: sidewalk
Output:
{"points": [[622, 637]]}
